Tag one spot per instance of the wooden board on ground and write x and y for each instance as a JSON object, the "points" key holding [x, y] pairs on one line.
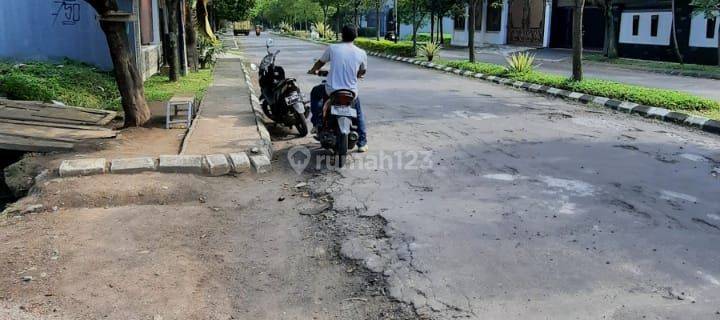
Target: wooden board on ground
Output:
{"points": [[9, 142], [43, 127], [47, 112]]}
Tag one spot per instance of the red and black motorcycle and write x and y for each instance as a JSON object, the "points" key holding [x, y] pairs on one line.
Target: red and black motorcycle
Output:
{"points": [[339, 131]]}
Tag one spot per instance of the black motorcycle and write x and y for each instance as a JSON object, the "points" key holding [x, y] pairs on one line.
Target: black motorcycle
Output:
{"points": [[339, 131], [282, 101]]}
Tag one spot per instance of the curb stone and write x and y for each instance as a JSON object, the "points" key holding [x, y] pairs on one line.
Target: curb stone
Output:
{"points": [[703, 123], [217, 165], [181, 164], [132, 165], [82, 167], [265, 144], [261, 163]]}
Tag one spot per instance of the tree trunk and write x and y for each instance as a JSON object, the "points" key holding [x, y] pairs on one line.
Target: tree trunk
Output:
{"points": [[377, 19], [718, 36], [442, 31], [191, 44], [128, 78], [471, 30], [173, 39], [415, 27], [432, 27], [577, 40], [611, 48], [357, 17], [337, 22], [674, 34]]}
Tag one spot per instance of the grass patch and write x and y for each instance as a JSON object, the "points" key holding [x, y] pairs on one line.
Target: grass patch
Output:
{"points": [[659, 66], [670, 99], [158, 88], [72, 83]]}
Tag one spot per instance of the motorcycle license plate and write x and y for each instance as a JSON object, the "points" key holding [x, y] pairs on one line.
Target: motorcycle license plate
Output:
{"points": [[294, 97], [343, 111]]}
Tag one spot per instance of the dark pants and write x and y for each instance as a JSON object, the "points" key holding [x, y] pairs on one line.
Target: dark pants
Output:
{"points": [[318, 96]]}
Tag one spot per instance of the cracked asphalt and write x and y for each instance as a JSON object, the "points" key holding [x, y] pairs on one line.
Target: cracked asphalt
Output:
{"points": [[503, 204]]}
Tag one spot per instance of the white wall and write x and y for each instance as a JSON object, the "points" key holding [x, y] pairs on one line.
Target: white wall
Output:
{"points": [[644, 36], [460, 37], [698, 32]]}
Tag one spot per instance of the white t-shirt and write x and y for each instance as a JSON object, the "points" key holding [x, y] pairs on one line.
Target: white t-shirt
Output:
{"points": [[346, 60]]}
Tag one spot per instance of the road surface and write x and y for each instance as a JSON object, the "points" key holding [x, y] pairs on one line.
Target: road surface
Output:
{"points": [[531, 207]]}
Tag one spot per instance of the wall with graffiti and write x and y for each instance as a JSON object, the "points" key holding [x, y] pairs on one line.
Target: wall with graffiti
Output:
{"points": [[53, 30]]}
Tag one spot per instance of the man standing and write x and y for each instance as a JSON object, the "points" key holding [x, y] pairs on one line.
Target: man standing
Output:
{"points": [[348, 63]]}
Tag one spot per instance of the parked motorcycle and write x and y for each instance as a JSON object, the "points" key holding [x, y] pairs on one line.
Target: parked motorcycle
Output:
{"points": [[339, 131], [282, 101], [258, 30]]}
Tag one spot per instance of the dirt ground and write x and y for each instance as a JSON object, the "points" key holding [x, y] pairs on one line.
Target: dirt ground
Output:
{"points": [[155, 246]]}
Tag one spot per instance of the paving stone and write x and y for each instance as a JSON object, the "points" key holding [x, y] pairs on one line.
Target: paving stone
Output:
{"points": [[239, 162], [82, 167], [261, 163], [181, 164], [132, 165], [217, 164]]}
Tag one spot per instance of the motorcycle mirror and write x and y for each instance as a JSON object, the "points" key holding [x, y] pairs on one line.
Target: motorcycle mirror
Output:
{"points": [[269, 43]]}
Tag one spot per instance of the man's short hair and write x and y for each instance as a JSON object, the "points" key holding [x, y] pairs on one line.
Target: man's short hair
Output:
{"points": [[349, 33]]}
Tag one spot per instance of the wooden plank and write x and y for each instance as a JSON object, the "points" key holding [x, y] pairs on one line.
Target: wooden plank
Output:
{"points": [[48, 112], [18, 114], [8, 142], [55, 125], [53, 133]]}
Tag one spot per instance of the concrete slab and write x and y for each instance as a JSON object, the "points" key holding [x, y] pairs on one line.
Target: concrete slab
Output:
{"points": [[217, 165], [239, 162], [82, 167], [132, 165], [181, 164], [261, 163]]}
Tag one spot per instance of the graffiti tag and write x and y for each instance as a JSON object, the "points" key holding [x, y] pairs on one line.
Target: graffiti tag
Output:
{"points": [[68, 11]]}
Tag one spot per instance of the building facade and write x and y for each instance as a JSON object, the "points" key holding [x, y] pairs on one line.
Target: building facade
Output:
{"points": [[53, 30], [643, 28]]}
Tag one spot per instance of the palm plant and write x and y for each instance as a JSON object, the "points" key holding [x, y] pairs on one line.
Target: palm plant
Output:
{"points": [[430, 50], [285, 27], [324, 30], [521, 62]]}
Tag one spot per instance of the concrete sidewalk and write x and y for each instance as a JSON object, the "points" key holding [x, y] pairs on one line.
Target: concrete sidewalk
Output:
{"points": [[559, 62], [226, 121]]}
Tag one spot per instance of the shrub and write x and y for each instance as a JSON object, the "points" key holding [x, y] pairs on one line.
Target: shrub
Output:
{"points": [[18, 86], [367, 32], [324, 30], [430, 50], [403, 49], [521, 62], [425, 37], [478, 67], [285, 27]]}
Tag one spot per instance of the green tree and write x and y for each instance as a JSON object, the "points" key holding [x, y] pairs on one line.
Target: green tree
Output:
{"points": [[127, 76], [414, 13], [711, 10], [232, 10], [577, 33]]}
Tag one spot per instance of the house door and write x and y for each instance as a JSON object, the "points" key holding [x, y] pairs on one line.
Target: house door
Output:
{"points": [[593, 28], [527, 22]]}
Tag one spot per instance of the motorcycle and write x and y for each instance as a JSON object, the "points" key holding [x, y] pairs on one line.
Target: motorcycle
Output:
{"points": [[257, 31], [339, 131], [282, 101]]}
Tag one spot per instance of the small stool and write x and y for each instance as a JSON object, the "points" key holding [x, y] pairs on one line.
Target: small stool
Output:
{"points": [[176, 105]]}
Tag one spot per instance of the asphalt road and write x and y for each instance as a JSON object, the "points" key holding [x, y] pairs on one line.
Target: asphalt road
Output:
{"points": [[529, 207]]}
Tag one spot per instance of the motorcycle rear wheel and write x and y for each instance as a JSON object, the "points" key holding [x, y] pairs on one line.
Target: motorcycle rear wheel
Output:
{"points": [[342, 149], [301, 123]]}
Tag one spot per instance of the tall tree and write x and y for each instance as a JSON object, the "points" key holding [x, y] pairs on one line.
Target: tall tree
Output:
{"points": [[676, 45], [611, 46], [173, 22], [192, 37], [127, 76], [471, 29], [577, 34], [232, 10], [414, 13], [711, 10]]}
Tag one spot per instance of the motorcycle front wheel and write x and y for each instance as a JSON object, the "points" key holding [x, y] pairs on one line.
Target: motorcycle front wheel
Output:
{"points": [[301, 123], [266, 110]]}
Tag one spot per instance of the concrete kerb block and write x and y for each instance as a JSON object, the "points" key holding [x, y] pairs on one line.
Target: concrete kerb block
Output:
{"points": [[712, 126], [518, 84], [132, 165], [217, 165], [627, 106], [457, 71], [575, 95], [659, 113], [600, 100], [239, 162], [261, 163], [479, 75], [536, 88], [181, 164], [554, 91], [82, 167], [696, 121]]}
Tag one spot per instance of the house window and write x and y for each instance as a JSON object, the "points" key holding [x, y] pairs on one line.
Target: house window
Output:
{"points": [[494, 18], [146, 22], [460, 22], [710, 28], [654, 24], [478, 17], [636, 25]]}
